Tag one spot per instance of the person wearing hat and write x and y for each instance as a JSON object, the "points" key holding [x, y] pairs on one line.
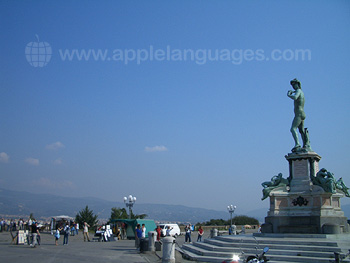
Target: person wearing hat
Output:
{"points": [[35, 233]]}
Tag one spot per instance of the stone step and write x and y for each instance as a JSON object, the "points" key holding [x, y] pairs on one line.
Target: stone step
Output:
{"points": [[201, 256], [195, 257], [291, 250], [274, 246], [307, 252], [299, 257], [282, 250], [290, 241]]}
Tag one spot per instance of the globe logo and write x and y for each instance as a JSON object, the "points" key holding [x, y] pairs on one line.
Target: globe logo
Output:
{"points": [[38, 54]]}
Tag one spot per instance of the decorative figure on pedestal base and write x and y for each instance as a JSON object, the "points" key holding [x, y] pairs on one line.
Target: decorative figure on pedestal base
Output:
{"points": [[276, 181], [329, 184]]}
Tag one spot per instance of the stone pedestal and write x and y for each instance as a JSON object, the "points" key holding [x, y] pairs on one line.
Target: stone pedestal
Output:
{"points": [[303, 207]]}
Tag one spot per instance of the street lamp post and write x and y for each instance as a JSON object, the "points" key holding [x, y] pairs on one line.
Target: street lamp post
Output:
{"points": [[231, 210], [129, 202]]}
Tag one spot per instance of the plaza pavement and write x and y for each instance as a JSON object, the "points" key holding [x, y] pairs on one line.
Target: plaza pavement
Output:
{"points": [[121, 251]]}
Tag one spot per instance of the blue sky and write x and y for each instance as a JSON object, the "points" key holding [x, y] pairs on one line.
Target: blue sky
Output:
{"points": [[193, 131]]}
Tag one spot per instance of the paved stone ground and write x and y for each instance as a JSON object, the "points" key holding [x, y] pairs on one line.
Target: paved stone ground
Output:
{"points": [[122, 251]]}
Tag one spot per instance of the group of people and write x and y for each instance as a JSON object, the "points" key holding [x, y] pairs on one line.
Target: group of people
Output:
{"points": [[14, 225], [188, 230], [10, 225], [66, 232], [70, 229], [120, 230], [140, 233], [159, 232], [31, 225]]}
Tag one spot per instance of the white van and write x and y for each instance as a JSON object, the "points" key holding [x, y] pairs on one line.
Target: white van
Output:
{"points": [[174, 229]]}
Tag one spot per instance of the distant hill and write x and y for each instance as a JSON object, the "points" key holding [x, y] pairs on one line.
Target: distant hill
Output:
{"points": [[15, 203]]}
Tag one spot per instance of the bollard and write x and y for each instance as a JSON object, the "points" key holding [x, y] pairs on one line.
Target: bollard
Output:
{"points": [[213, 232], [234, 230], [168, 250], [144, 244], [152, 237]]}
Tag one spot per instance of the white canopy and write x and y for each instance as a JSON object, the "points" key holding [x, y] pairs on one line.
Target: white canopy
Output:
{"points": [[63, 217]]}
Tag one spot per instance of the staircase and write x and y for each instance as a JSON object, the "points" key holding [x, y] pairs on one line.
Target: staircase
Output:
{"points": [[290, 248]]}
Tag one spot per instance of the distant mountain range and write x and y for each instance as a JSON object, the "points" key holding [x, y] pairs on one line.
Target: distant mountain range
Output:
{"points": [[15, 203]]}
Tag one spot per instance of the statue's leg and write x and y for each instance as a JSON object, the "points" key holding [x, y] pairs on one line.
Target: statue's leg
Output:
{"points": [[293, 130], [266, 192], [302, 132]]}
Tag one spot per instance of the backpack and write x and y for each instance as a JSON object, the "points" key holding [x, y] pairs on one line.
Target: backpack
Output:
{"points": [[67, 230]]}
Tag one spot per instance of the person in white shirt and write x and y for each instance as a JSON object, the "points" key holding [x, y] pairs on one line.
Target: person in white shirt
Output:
{"points": [[143, 231], [86, 232]]}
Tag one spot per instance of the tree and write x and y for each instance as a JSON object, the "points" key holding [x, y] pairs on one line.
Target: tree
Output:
{"points": [[237, 220], [141, 216], [216, 222], [118, 213], [86, 215], [121, 213], [245, 220]]}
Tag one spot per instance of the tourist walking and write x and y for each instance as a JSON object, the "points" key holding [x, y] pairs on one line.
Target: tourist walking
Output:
{"points": [[168, 230], [66, 234], [138, 235], [35, 233], [188, 233], [86, 232], [57, 235], [72, 229], [159, 232], [200, 234], [20, 224], [143, 231], [124, 236], [30, 222]]}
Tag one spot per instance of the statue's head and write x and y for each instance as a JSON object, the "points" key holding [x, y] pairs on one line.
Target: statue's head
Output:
{"points": [[295, 83]]}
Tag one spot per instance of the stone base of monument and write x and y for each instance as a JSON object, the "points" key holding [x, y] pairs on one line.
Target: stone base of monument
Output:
{"points": [[305, 212], [303, 207]]}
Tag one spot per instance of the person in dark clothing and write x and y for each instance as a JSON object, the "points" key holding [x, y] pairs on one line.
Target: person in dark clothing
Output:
{"points": [[138, 235], [66, 234], [35, 233]]}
